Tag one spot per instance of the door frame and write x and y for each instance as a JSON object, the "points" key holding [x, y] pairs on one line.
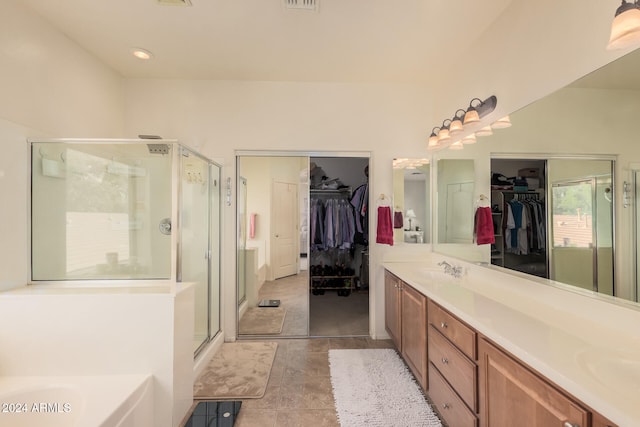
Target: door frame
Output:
{"points": [[303, 153]]}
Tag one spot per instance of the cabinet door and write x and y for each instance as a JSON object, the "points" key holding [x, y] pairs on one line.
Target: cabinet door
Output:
{"points": [[512, 395], [392, 308], [600, 421], [414, 332]]}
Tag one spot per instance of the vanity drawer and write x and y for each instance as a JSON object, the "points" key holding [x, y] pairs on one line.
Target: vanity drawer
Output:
{"points": [[457, 332], [447, 402], [459, 371]]}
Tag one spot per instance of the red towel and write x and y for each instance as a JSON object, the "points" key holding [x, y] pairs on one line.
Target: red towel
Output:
{"points": [[385, 227], [483, 226], [397, 219]]}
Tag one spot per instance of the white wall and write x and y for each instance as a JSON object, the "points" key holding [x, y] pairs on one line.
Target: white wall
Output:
{"points": [[531, 50], [50, 87], [221, 117]]}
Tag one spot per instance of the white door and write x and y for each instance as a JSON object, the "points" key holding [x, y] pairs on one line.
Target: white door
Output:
{"points": [[459, 213], [285, 229]]}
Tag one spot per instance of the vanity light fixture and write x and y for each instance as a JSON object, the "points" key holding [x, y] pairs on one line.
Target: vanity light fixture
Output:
{"points": [[469, 139], [461, 119], [625, 29], [456, 123], [502, 123], [443, 135], [472, 115], [398, 163], [485, 131], [456, 146], [433, 139], [142, 54]]}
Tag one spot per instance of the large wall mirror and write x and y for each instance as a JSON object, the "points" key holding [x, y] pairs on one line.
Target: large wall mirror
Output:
{"points": [[574, 152], [455, 195], [412, 200]]}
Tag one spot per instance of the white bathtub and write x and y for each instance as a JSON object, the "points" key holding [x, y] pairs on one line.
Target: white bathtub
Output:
{"points": [[82, 401]]}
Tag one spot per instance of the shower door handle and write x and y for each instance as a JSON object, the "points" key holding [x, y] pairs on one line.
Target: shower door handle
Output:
{"points": [[165, 226]]}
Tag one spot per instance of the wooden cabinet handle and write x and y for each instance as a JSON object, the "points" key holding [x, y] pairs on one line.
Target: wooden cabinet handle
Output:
{"points": [[443, 325], [568, 424], [445, 360], [446, 406]]}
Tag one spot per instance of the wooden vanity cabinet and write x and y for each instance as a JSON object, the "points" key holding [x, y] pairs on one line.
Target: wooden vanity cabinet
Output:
{"points": [[406, 323], [471, 381], [600, 421], [453, 373], [511, 393], [414, 332], [392, 308]]}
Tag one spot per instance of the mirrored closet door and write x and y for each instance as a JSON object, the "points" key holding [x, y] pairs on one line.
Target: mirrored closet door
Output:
{"points": [[299, 268]]}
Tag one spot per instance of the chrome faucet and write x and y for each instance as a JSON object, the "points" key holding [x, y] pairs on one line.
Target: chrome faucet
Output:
{"points": [[455, 271]]}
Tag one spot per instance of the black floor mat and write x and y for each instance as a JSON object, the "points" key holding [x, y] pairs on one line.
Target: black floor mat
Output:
{"points": [[214, 414]]}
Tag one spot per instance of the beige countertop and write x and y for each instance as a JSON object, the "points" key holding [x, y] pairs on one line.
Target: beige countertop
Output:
{"points": [[587, 344]]}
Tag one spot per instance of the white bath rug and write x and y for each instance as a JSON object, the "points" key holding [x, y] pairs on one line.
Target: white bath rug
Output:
{"points": [[373, 387]]}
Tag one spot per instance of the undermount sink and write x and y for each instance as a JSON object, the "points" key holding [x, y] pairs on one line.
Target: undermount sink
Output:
{"points": [[612, 368]]}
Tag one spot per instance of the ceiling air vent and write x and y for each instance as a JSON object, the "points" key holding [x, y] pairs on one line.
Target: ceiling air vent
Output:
{"points": [[302, 4], [174, 2]]}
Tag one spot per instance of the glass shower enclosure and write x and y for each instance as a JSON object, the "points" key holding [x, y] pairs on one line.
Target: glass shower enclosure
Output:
{"points": [[125, 213]]}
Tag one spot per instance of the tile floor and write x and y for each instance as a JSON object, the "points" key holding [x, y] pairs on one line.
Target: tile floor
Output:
{"points": [[299, 391]]}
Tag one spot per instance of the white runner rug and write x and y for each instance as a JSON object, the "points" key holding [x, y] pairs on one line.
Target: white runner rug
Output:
{"points": [[373, 387]]}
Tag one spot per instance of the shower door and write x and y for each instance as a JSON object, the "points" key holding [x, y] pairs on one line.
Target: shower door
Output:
{"points": [[194, 253], [581, 224]]}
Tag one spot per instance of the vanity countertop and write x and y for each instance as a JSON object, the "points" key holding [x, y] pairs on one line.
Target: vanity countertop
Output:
{"points": [[584, 343]]}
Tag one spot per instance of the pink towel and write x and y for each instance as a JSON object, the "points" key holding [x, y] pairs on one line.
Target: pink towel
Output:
{"points": [[252, 226], [483, 227], [385, 227]]}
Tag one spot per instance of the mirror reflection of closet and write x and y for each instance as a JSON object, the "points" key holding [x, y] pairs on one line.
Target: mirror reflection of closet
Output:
{"points": [[411, 200], [277, 258], [551, 215]]}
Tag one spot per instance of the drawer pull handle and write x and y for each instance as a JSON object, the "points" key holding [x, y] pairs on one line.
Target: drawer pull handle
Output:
{"points": [[445, 360], [568, 424], [447, 406], [443, 324]]}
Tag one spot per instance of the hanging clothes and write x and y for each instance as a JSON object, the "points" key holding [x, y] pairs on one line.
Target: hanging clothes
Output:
{"points": [[360, 203], [332, 224]]}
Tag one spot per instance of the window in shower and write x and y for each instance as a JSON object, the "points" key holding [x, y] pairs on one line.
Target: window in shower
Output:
{"points": [[98, 212]]}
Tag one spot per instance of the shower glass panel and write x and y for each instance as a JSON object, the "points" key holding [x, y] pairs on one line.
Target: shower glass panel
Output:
{"points": [[127, 210], [98, 211], [193, 265], [581, 224]]}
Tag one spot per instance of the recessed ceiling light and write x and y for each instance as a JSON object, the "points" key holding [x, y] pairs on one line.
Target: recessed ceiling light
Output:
{"points": [[141, 53]]}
